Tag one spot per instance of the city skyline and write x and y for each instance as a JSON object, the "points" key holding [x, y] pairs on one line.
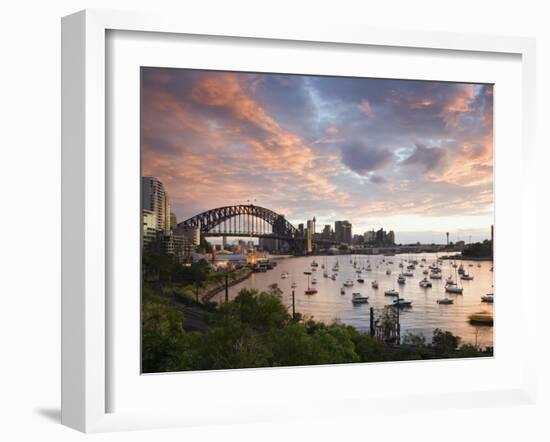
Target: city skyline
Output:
{"points": [[413, 157]]}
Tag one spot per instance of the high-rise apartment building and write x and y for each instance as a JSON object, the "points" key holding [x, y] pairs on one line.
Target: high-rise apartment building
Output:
{"points": [[154, 198]]}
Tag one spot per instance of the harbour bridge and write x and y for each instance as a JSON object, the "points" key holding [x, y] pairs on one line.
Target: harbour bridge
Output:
{"points": [[246, 220]]}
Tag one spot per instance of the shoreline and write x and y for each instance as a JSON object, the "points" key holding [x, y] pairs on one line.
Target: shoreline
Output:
{"points": [[214, 291], [466, 258]]}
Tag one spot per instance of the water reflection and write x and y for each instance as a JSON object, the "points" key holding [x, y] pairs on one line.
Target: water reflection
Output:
{"points": [[423, 317]]}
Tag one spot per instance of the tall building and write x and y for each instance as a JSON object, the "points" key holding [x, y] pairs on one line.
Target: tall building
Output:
{"points": [[155, 199], [309, 236], [342, 231], [327, 232], [370, 236], [173, 221], [390, 237], [381, 236], [149, 229]]}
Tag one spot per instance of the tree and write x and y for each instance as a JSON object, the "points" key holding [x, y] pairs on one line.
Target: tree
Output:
{"points": [[162, 337], [444, 343]]}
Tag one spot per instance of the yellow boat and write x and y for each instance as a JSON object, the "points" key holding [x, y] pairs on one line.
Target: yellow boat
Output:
{"points": [[481, 318]]}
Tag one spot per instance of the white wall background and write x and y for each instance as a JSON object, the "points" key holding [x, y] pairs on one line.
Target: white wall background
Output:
{"points": [[30, 214]]}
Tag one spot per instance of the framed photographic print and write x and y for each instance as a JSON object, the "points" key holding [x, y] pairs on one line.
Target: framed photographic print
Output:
{"points": [[249, 212]]}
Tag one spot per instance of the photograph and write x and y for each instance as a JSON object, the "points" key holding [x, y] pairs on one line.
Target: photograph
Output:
{"points": [[306, 219]]}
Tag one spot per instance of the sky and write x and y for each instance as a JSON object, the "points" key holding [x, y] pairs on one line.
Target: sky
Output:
{"points": [[415, 157]]}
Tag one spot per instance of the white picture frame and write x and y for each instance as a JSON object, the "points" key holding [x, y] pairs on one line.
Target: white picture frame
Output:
{"points": [[85, 210]]}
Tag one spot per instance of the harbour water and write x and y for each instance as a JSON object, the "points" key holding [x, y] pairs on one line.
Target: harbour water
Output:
{"points": [[425, 314]]}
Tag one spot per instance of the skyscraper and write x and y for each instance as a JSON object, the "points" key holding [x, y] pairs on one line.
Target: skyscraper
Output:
{"points": [[342, 231], [309, 236], [154, 198]]}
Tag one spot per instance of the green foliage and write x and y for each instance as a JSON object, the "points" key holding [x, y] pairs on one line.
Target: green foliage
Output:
{"points": [[158, 267], [444, 342], [414, 340], [256, 330], [468, 351], [162, 337], [479, 250]]}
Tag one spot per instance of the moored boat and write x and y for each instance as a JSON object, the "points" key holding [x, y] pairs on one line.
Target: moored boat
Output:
{"points": [[445, 301], [425, 283], [454, 289], [481, 318], [358, 298]]}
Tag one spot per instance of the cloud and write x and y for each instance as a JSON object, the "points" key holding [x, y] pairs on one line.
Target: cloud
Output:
{"points": [[429, 158], [289, 142], [366, 107], [360, 158]]}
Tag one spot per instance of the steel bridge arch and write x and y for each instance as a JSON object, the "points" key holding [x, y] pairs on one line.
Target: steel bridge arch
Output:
{"points": [[206, 221]]}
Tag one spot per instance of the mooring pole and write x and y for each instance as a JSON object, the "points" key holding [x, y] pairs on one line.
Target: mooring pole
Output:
{"points": [[293, 307], [398, 338], [226, 286], [372, 321]]}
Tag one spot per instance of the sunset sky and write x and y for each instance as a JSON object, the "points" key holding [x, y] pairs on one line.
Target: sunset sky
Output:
{"points": [[413, 157]]}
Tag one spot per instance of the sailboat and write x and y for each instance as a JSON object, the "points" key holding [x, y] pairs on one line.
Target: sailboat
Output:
{"points": [[455, 289], [310, 290]]}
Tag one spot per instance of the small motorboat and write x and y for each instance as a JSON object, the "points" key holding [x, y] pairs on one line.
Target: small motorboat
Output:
{"points": [[461, 269], [454, 289], [310, 291], [348, 283], [401, 279], [293, 285], [391, 292], [445, 301], [435, 276], [361, 280], [388, 272], [325, 274], [450, 281], [369, 268], [408, 273], [342, 291], [401, 302], [333, 277], [313, 281], [466, 277], [284, 275], [425, 283], [489, 298], [425, 272], [358, 298], [314, 264], [374, 284]]}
